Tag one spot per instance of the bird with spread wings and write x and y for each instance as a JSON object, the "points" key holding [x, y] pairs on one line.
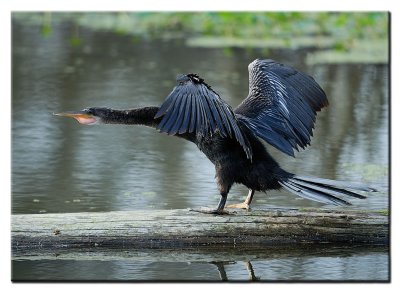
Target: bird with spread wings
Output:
{"points": [[280, 109]]}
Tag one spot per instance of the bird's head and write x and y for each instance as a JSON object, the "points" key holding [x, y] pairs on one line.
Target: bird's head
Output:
{"points": [[88, 116]]}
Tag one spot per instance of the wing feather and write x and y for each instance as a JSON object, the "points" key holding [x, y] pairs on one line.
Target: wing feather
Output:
{"points": [[180, 116], [194, 107], [217, 117], [172, 115], [225, 120], [193, 116], [208, 116], [212, 114], [199, 115], [186, 120], [282, 105], [203, 125], [164, 121]]}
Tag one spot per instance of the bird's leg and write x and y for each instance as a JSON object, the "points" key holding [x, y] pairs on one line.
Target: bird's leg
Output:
{"points": [[224, 186], [220, 208], [246, 203]]}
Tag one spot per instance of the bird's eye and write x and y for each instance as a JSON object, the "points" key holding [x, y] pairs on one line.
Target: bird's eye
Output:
{"points": [[88, 110]]}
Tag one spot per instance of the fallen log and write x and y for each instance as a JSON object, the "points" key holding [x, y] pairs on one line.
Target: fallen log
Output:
{"points": [[185, 228]]}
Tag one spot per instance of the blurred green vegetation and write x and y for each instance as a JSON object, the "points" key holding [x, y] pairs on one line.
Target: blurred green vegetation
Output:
{"points": [[340, 32]]}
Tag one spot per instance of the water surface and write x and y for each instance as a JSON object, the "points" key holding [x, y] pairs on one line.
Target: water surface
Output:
{"points": [[315, 263]]}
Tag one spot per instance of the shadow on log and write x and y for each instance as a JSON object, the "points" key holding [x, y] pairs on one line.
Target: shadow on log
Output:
{"points": [[183, 229]]}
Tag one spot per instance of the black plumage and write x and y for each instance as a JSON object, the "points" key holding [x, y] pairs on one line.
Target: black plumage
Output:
{"points": [[281, 105], [280, 109], [193, 106]]}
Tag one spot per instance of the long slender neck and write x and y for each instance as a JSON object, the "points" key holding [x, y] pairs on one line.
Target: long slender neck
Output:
{"points": [[138, 116]]}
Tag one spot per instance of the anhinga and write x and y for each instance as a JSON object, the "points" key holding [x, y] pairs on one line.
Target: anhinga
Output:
{"points": [[280, 109]]}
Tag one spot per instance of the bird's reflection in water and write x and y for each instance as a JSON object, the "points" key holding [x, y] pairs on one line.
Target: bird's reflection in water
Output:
{"points": [[223, 275]]}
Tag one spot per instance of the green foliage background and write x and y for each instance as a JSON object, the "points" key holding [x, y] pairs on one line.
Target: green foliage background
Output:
{"points": [[363, 35]]}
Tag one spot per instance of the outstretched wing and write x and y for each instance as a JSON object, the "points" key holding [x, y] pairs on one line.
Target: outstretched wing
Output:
{"points": [[281, 106], [193, 107]]}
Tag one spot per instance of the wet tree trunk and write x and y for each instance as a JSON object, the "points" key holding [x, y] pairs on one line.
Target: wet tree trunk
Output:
{"points": [[185, 228]]}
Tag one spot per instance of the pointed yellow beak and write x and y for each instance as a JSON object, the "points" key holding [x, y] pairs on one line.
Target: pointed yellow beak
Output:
{"points": [[81, 116]]}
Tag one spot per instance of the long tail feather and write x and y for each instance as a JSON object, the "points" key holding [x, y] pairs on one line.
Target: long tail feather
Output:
{"points": [[324, 190], [336, 183]]}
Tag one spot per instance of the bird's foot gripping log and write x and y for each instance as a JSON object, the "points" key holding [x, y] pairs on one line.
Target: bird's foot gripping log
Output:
{"points": [[243, 206], [212, 211], [218, 211], [246, 204]]}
